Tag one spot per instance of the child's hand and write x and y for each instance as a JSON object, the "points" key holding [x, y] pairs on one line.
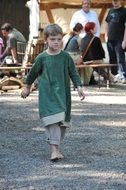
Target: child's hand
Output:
{"points": [[81, 93], [25, 92]]}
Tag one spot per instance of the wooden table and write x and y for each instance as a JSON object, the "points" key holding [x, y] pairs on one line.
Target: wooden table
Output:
{"points": [[99, 66]]}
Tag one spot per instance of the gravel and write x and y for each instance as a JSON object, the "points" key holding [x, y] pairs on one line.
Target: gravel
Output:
{"points": [[94, 147]]}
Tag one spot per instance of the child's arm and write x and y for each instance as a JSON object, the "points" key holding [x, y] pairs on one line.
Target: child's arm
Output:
{"points": [[74, 75], [80, 92], [26, 91]]}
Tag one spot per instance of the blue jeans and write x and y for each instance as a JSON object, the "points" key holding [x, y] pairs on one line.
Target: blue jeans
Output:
{"points": [[117, 56]]}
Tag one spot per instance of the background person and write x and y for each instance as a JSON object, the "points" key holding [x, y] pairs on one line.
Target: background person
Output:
{"points": [[116, 38], [12, 36], [94, 53], [71, 42], [85, 15]]}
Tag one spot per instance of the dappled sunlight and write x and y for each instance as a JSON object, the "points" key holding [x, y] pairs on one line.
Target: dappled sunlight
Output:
{"points": [[35, 109], [12, 97], [106, 100], [38, 129], [90, 173], [66, 174], [77, 113], [76, 173], [112, 123], [101, 99]]}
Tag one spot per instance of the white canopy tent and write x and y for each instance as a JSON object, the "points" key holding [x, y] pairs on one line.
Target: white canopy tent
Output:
{"points": [[33, 18], [61, 11]]}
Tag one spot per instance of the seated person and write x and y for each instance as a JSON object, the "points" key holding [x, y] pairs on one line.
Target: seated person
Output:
{"points": [[1, 45], [12, 37], [95, 51], [72, 41]]}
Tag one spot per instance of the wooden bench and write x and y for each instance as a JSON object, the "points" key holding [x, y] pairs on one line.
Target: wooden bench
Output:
{"points": [[79, 67], [99, 66], [14, 68], [24, 70], [12, 83], [11, 68]]}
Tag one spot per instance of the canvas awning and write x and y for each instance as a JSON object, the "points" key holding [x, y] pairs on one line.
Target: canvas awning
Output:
{"points": [[45, 4], [50, 7]]}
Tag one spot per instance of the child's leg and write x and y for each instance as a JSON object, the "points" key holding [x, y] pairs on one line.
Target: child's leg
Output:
{"points": [[63, 131], [55, 134]]}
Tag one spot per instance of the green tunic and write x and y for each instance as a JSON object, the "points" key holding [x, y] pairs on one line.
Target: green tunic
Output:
{"points": [[54, 73]]}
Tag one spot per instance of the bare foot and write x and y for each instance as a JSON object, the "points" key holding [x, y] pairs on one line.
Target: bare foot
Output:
{"points": [[60, 156], [54, 157]]}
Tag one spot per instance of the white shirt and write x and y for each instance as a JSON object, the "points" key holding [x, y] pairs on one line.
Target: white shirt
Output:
{"points": [[82, 18]]}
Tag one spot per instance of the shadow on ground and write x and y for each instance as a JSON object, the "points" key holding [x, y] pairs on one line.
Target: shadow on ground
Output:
{"points": [[94, 148]]}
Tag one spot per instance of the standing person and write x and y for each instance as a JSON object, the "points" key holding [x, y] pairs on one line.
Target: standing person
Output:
{"points": [[54, 68], [12, 36], [115, 37], [85, 15]]}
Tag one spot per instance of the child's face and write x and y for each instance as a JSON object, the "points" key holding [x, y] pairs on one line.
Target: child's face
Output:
{"points": [[54, 43]]}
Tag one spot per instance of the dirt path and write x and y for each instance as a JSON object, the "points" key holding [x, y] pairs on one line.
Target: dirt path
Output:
{"points": [[94, 148]]}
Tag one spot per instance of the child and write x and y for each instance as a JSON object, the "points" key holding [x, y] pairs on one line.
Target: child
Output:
{"points": [[54, 68]]}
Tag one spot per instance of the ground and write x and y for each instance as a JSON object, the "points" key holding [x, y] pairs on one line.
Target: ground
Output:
{"points": [[94, 147]]}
